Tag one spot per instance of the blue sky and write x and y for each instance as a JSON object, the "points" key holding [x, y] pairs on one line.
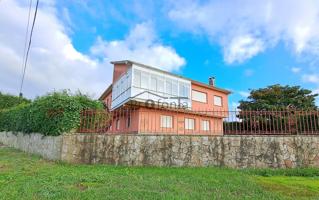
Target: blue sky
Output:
{"points": [[244, 44]]}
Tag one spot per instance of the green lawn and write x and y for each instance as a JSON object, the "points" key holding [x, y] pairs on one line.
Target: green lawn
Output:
{"points": [[29, 177]]}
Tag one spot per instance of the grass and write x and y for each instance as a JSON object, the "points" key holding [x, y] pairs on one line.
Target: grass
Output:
{"points": [[23, 176]]}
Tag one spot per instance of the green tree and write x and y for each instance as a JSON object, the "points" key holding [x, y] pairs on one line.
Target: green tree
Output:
{"points": [[8, 101], [278, 97], [277, 109]]}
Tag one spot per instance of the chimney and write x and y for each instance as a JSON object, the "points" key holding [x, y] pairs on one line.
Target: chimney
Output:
{"points": [[211, 81]]}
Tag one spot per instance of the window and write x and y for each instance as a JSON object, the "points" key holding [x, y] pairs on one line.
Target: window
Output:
{"points": [[189, 124], [137, 78], [117, 124], [144, 80], [217, 101], [160, 84], [153, 83], [174, 88], [168, 86], [199, 96], [183, 90], [205, 125], [166, 121]]}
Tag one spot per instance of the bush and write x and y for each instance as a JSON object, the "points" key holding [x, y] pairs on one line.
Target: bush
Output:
{"points": [[52, 114], [8, 101]]}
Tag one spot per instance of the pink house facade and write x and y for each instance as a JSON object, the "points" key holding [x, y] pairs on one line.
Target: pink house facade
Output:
{"points": [[147, 100]]}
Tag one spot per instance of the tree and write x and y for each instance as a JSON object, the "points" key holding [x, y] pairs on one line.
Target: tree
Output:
{"points": [[278, 97], [8, 101], [277, 109]]}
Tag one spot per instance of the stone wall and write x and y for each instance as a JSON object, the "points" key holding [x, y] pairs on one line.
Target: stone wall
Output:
{"points": [[48, 147], [173, 150]]}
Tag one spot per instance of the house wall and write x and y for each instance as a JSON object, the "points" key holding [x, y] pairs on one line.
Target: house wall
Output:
{"points": [[123, 116], [196, 105], [108, 100], [150, 122], [119, 70]]}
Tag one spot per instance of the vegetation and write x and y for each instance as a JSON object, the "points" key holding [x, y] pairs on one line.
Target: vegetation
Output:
{"points": [[52, 114], [8, 101], [28, 177], [278, 97], [277, 108]]}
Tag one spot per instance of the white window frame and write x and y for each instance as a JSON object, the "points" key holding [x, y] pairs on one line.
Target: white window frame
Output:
{"points": [[166, 121], [137, 78], [183, 89], [160, 87], [168, 85], [175, 88], [145, 77], [199, 96], [216, 103], [189, 124], [153, 85], [205, 125]]}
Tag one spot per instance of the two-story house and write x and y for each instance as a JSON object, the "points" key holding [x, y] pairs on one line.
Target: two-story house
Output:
{"points": [[150, 100]]}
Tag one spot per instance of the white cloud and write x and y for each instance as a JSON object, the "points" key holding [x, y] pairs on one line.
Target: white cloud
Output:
{"points": [[242, 48], [245, 28], [54, 63], [314, 79], [244, 94], [295, 69], [140, 45], [311, 78]]}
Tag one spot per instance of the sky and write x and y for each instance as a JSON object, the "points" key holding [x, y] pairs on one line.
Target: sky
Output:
{"points": [[245, 44]]}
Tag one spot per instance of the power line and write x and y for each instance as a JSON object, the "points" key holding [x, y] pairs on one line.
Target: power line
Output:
{"points": [[29, 45], [26, 38]]}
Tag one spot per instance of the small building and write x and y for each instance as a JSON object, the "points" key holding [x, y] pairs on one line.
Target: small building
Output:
{"points": [[144, 99]]}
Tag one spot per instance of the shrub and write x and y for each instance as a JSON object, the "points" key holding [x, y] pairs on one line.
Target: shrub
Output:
{"points": [[52, 114], [8, 101]]}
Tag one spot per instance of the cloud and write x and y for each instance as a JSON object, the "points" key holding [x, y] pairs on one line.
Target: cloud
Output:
{"points": [[140, 45], [311, 78], [242, 48], [295, 69], [245, 28], [54, 63], [244, 94]]}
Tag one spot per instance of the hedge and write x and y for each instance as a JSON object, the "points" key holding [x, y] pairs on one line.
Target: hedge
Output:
{"points": [[52, 114], [8, 100]]}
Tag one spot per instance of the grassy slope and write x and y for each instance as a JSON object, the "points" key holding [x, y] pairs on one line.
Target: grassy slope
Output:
{"points": [[29, 177]]}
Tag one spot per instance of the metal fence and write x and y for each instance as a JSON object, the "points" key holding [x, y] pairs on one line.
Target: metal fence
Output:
{"points": [[202, 122]]}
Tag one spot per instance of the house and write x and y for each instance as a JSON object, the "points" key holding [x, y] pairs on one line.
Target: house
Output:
{"points": [[144, 99]]}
